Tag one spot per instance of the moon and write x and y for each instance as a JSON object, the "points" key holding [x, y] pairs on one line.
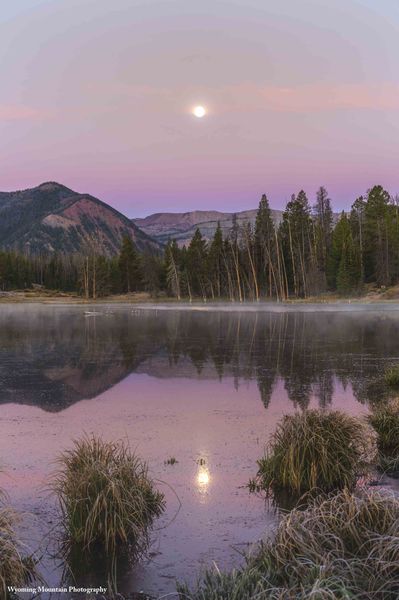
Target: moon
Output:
{"points": [[199, 112]]}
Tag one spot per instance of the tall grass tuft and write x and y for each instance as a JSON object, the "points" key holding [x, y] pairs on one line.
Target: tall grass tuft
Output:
{"points": [[16, 569], [385, 422], [344, 546], [106, 495], [315, 449], [391, 376]]}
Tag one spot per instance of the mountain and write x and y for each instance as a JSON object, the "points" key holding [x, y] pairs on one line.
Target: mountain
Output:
{"points": [[181, 226], [54, 218]]}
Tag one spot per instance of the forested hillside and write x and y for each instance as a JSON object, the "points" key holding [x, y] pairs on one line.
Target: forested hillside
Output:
{"points": [[308, 253], [52, 218]]}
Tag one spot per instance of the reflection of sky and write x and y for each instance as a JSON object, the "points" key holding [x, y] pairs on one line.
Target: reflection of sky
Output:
{"points": [[155, 381], [299, 94]]}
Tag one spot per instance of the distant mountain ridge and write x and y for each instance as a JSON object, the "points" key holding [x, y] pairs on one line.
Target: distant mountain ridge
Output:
{"points": [[53, 218], [181, 226]]}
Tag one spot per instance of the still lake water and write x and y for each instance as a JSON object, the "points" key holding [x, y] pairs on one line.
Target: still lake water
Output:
{"points": [[201, 383]]}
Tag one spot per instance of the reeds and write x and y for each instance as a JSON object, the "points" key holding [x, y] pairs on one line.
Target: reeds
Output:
{"points": [[16, 570], [315, 449], [106, 495], [344, 546], [385, 422], [391, 376]]}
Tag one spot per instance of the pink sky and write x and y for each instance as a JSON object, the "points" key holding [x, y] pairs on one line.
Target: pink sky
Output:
{"points": [[300, 93]]}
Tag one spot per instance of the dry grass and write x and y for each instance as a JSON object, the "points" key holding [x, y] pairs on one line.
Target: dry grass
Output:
{"points": [[385, 422], [315, 449], [391, 376], [344, 546], [106, 495], [15, 569]]}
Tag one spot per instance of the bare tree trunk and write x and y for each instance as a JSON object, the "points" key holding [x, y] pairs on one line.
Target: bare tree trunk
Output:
{"points": [[251, 262], [293, 260], [94, 279], [237, 269], [86, 278]]}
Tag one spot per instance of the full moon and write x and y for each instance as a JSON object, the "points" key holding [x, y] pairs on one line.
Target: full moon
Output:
{"points": [[199, 112]]}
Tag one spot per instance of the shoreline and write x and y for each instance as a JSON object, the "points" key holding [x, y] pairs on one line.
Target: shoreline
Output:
{"points": [[389, 296]]}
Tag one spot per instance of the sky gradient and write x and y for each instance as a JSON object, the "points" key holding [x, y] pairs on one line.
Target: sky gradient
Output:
{"points": [[97, 95]]}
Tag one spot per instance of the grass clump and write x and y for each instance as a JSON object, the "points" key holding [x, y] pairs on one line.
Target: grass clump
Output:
{"points": [[171, 461], [106, 495], [315, 449], [385, 422], [391, 376], [344, 546], [16, 570]]}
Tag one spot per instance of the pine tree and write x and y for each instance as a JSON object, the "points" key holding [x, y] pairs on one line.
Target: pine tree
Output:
{"points": [[197, 259], [215, 262], [344, 264], [129, 265], [357, 227], [296, 234], [265, 248], [323, 225], [377, 238]]}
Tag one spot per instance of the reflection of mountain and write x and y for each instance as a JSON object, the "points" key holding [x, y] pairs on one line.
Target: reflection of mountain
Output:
{"points": [[53, 356]]}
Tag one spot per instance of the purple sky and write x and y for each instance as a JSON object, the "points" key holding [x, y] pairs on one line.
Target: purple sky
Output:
{"points": [[97, 95]]}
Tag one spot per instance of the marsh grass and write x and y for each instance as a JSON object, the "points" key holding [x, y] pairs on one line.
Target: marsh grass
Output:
{"points": [[315, 450], [343, 546], [16, 568], [106, 496], [391, 376], [385, 422]]}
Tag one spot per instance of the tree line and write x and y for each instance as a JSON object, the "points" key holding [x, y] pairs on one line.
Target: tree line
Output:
{"points": [[309, 252], [90, 275]]}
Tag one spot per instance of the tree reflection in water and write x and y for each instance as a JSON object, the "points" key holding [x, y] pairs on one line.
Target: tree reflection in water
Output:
{"points": [[55, 356]]}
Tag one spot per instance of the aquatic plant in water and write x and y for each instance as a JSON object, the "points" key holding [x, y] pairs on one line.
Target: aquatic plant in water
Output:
{"points": [[106, 495], [315, 449], [16, 570], [391, 376], [343, 546], [385, 421]]}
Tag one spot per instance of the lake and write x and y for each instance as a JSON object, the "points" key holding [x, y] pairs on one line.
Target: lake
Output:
{"points": [[203, 384]]}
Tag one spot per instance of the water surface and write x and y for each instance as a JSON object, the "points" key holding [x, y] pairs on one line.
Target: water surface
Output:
{"points": [[203, 386]]}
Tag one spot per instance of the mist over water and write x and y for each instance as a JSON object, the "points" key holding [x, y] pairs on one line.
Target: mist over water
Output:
{"points": [[192, 382], [55, 356]]}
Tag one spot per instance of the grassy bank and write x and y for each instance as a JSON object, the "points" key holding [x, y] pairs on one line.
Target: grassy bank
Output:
{"points": [[343, 547]]}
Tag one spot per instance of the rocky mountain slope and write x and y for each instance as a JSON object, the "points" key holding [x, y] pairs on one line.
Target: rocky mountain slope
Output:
{"points": [[54, 218], [181, 226]]}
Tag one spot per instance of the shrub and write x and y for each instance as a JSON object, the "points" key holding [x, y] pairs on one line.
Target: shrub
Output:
{"points": [[385, 422], [105, 494], [315, 449], [344, 546], [391, 376], [15, 569]]}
